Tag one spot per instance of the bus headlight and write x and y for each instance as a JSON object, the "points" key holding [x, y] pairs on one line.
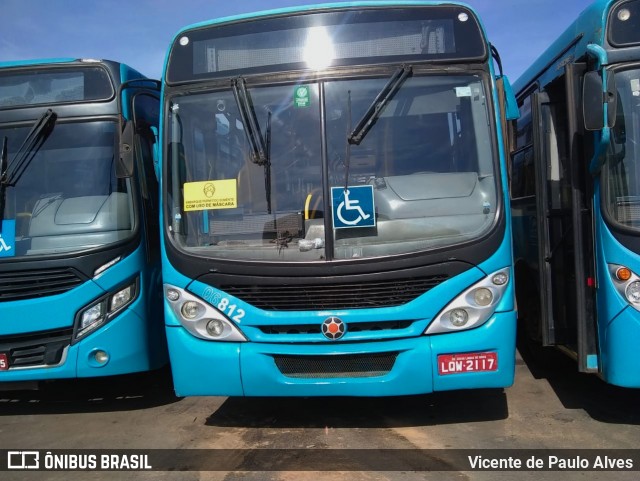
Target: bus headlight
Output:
{"points": [[458, 317], [473, 307], [199, 318], [103, 310], [191, 309], [633, 292], [483, 296], [627, 283], [500, 278], [121, 298], [92, 316], [215, 328]]}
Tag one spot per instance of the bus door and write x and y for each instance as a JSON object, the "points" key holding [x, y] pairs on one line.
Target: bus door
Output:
{"points": [[141, 104], [561, 187]]}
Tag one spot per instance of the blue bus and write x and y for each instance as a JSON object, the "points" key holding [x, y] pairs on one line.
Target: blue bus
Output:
{"points": [[335, 209], [80, 277], [576, 193]]}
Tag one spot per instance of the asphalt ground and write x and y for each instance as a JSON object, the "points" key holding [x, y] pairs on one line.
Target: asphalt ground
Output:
{"points": [[550, 408]]}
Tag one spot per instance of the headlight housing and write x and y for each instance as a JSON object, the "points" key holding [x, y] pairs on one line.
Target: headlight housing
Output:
{"points": [[102, 310], [627, 283], [474, 306], [200, 318]]}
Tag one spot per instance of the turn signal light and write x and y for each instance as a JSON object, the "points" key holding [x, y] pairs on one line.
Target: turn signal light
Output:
{"points": [[623, 274]]}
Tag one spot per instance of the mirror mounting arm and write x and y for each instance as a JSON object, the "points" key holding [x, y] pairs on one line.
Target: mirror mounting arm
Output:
{"points": [[599, 103]]}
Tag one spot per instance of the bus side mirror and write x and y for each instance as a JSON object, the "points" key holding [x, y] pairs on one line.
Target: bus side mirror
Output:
{"points": [[594, 97], [511, 111], [124, 166], [156, 160]]}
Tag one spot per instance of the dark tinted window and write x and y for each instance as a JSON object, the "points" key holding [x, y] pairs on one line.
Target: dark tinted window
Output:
{"points": [[524, 127], [146, 111], [522, 168], [522, 173]]}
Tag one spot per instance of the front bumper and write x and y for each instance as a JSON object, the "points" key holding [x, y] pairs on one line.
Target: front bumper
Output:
{"points": [[250, 369]]}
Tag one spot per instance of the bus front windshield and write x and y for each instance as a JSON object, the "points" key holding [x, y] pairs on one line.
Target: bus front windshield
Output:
{"points": [[427, 163], [623, 157], [68, 198]]}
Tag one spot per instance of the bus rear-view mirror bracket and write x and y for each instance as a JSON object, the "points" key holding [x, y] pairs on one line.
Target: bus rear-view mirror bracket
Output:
{"points": [[124, 166], [511, 105]]}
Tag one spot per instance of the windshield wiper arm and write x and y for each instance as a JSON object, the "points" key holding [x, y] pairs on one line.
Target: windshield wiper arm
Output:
{"points": [[31, 144], [267, 164], [259, 153], [375, 109], [3, 175], [10, 174], [3, 161]]}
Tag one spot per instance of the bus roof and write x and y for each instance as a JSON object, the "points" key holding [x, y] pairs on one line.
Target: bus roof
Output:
{"points": [[569, 46], [40, 61]]}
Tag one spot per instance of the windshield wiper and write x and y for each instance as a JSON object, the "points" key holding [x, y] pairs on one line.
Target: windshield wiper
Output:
{"points": [[375, 109], [247, 113], [267, 164], [11, 174], [3, 175], [260, 147]]}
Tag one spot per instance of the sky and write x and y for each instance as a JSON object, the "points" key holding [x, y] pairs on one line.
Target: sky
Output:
{"points": [[139, 32]]}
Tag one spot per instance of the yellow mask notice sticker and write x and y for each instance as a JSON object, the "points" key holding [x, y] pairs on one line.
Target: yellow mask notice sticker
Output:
{"points": [[210, 194]]}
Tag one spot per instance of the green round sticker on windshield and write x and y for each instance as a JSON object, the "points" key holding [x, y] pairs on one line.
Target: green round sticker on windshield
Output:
{"points": [[301, 96]]}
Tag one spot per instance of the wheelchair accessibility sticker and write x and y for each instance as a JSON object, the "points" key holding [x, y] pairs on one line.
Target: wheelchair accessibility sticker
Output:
{"points": [[353, 207], [8, 238]]}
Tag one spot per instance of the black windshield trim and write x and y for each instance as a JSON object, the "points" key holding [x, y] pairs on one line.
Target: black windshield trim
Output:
{"points": [[195, 265]]}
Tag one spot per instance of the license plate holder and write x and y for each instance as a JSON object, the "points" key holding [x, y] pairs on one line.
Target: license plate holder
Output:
{"points": [[4, 362], [467, 363]]}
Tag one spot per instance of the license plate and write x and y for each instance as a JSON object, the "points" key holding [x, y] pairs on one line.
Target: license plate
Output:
{"points": [[468, 362], [4, 362]]}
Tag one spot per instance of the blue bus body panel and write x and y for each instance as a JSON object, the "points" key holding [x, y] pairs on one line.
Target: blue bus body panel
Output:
{"points": [[133, 339], [235, 369], [46, 313], [619, 341], [124, 339], [127, 341], [203, 367], [411, 373], [618, 322]]}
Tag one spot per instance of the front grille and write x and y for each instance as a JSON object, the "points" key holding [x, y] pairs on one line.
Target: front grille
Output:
{"points": [[39, 349], [305, 297], [353, 365], [352, 327], [31, 284]]}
